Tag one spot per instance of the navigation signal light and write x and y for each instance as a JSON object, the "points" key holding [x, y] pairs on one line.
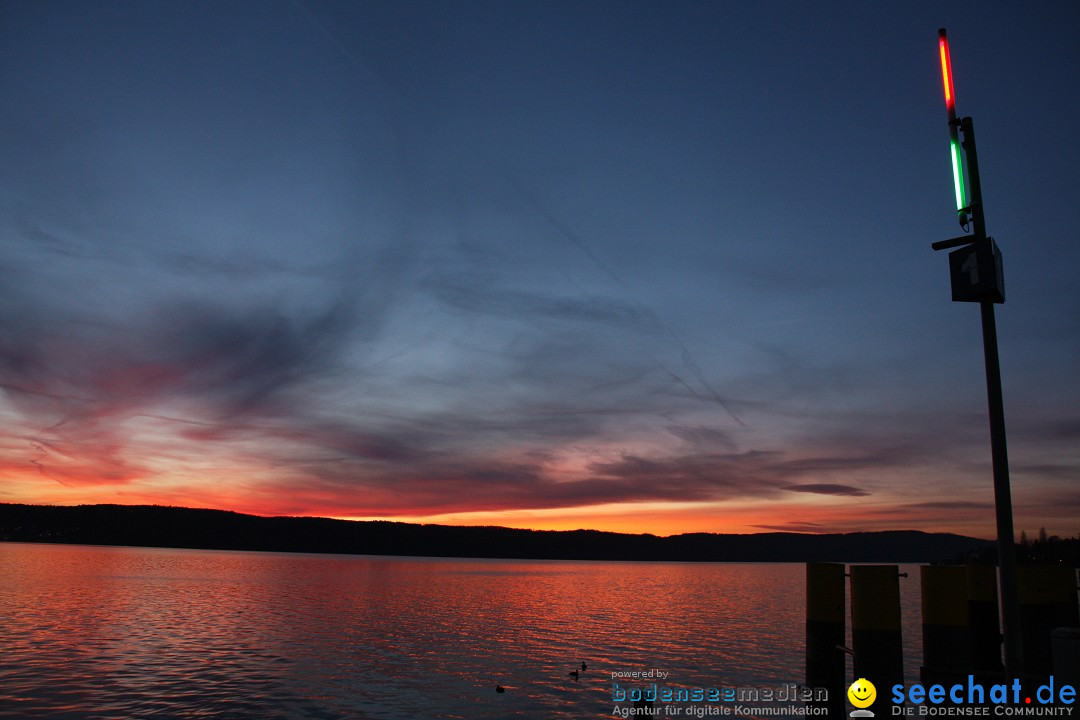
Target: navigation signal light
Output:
{"points": [[955, 154]]}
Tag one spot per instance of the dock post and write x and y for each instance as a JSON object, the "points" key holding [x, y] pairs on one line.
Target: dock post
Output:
{"points": [[875, 628], [945, 623], [1047, 602], [983, 619], [825, 628], [946, 637]]}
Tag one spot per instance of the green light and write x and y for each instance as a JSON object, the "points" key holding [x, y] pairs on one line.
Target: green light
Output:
{"points": [[958, 175]]}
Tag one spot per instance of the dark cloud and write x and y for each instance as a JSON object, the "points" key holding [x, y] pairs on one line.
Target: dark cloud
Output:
{"points": [[1039, 430], [949, 505], [438, 485], [485, 485], [704, 437], [695, 477], [481, 294], [76, 375], [237, 359], [798, 527], [244, 361], [432, 460], [827, 489], [886, 457], [1062, 471]]}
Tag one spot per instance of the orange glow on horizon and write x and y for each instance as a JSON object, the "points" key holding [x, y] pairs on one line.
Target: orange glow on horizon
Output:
{"points": [[824, 515], [792, 512]]}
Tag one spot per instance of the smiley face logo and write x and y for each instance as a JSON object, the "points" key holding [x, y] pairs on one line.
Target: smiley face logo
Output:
{"points": [[862, 693]]}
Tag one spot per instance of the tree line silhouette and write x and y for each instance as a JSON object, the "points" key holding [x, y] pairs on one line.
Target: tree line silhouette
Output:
{"points": [[177, 527]]}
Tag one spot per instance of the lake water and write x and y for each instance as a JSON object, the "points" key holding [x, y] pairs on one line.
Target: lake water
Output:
{"points": [[110, 632]]}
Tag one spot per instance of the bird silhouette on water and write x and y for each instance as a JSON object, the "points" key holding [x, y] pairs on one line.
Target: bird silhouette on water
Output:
{"points": [[575, 673], [500, 689]]}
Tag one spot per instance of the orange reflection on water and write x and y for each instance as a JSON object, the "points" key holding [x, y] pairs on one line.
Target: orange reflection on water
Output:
{"points": [[129, 631]]}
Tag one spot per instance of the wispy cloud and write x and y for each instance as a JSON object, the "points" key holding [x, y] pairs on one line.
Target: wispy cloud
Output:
{"points": [[797, 527], [827, 489]]}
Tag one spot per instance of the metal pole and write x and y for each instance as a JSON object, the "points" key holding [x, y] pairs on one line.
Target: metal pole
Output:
{"points": [[1010, 603], [1006, 538], [978, 220]]}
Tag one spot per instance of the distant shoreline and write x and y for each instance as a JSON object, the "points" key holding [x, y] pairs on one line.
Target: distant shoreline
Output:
{"points": [[176, 527]]}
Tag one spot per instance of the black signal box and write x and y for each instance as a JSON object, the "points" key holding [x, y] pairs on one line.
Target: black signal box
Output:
{"points": [[976, 273]]}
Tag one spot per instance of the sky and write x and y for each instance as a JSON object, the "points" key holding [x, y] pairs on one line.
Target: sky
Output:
{"points": [[638, 266]]}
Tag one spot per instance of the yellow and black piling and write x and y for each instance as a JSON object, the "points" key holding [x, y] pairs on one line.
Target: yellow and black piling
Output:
{"points": [[983, 619], [961, 631], [945, 626], [1048, 601], [825, 608], [875, 627]]}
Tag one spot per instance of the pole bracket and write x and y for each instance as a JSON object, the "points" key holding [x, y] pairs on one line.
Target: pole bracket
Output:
{"points": [[955, 242]]}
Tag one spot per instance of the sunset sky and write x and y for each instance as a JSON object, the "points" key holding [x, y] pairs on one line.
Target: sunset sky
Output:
{"points": [[640, 266]]}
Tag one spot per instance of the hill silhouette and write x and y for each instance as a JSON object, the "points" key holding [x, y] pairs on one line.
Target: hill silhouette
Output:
{"points": [[176, 527]]}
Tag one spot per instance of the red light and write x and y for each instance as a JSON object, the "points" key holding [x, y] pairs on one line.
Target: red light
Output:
{"points": [[946, 73], [955, 150]]}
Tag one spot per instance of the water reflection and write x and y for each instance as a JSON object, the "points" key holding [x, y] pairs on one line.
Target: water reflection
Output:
{"points": [[131, 632]]}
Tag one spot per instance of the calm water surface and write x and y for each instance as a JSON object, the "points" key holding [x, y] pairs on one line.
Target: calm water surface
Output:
{"points": [[107, 632]]}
